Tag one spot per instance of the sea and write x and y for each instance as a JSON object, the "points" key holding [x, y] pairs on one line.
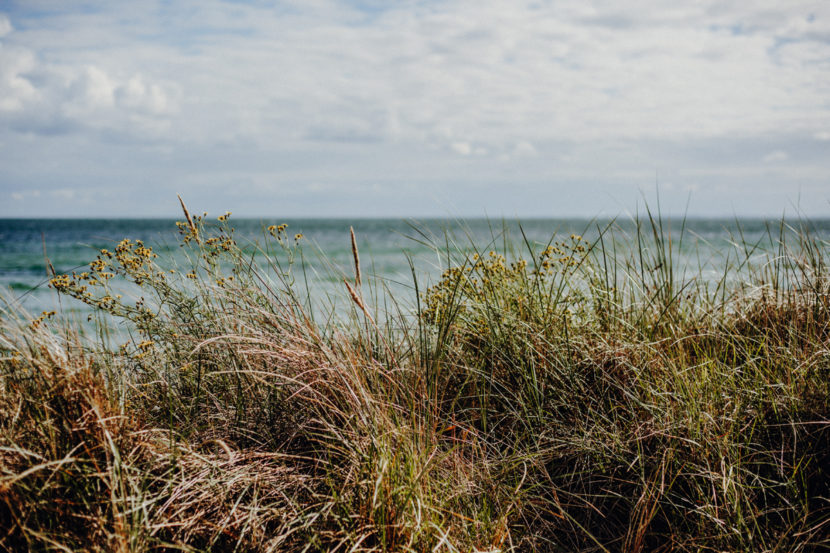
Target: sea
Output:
{"points": [[398, 255]]}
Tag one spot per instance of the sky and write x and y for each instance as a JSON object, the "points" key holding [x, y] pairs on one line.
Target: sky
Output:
{"points": [[414, 108]]}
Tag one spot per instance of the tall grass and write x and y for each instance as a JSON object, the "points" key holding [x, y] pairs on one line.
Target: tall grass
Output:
{"points": [[579, 395]]}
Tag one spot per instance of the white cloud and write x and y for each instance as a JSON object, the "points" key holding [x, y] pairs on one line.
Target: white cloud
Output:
{"points": [[90, 90], [525, 149], [15, 89], [64, 193], [22, 195], [462, 148], [5, 25], [136, 94], [776, 156], [46, 97]]}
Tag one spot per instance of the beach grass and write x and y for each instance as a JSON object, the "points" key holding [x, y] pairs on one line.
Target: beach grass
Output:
{"points": [[580, 395]]}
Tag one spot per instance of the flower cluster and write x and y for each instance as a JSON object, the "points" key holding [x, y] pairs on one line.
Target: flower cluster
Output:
{"points": [[277, 231], [144, 348], [132, 255], [561, 255], [61, 282], [190, 229], [217, 244], [475, 281], [223, 281], [469, 296], [211, 255], [39, 321], [130, 259]]}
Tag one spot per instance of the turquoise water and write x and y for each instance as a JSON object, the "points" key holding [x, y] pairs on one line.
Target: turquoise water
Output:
{"points": [[386, 246]]}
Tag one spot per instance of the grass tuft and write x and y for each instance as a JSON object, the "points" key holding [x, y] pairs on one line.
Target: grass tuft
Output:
{"points": [[587, 394]]}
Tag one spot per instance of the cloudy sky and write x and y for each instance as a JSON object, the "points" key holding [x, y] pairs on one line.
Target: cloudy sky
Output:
{"points": [[413, 107]]}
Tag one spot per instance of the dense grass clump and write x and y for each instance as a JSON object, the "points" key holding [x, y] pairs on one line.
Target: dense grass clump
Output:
{"points": [[570, 396]]}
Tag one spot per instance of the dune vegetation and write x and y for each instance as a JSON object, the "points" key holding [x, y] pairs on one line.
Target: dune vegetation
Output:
{"points": [[571, 396]]}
